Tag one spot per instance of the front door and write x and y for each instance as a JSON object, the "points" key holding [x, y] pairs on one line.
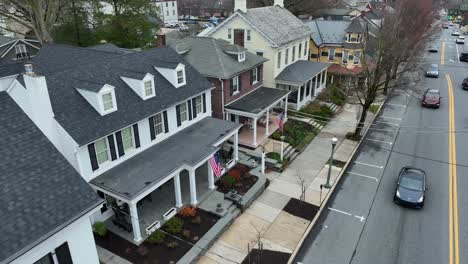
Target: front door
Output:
{"points": [[239, 37]]}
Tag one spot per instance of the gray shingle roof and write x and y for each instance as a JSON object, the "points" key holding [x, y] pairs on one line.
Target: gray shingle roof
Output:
{"points": [[110, 47], [78, 117], [334, 11], [258, 100], [277, 23], [328, 31], [40, 191], [301, 71], [209, 57], [355, 26], [187, 147]]}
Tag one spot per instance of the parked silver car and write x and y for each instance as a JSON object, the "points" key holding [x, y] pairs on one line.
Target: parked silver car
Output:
{"points": [[433, 71]]}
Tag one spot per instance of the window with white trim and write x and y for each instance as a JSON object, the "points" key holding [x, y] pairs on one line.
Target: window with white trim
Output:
{"points": [[300, 49], [255, 75], [173, 11], [235, 84], [249, 37], [241, 57], [286, 57], [158, 122], [183, 112], [348, 37], [20, 49], [331, 54], [180, 76], [279, 60], [198, 104], [229, 33], [148, 88], [102, 150], [358, 37], [167, 12], [293, 53], [305, 47], [128, 138], [107, 102], [357, 57], [345, 56]]}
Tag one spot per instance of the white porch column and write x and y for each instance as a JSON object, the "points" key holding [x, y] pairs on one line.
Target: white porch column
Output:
{"points": [[325, 83], [317, 81], [193, 187], [267, 126], [236, 146], [255, 131], [211, 185], [135, 222], [298, 97], [286, 108], [178, 194]]}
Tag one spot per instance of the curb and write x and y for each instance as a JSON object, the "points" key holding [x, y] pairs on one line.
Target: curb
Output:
{"points": [[327, 197]]}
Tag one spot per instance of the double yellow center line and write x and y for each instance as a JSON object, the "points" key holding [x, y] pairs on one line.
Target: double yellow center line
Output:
{"points": [[453, 195]]}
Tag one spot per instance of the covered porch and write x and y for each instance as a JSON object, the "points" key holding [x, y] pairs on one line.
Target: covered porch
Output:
{"points": [[148, 189], [305, 80], [256, 111]]}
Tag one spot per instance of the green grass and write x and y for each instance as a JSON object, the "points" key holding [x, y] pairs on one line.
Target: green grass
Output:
{"points": [[321, 113], [295, 132], [374, 108]]}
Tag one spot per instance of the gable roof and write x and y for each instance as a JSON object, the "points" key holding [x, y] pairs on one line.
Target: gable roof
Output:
{"points": [[110, 47], [334, 11], [328, 31], [65, 68], [41, 192], [210, 56], [276, 23], [355, 26]]}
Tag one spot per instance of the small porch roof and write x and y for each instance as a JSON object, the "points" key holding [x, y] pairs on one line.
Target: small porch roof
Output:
{"points": [[301, 71], [254, 103], [147, 169]]}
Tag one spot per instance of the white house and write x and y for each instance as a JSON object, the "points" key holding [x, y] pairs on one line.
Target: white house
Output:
{"points": [[46, 205], [167, 10], [279, 36], [136, 126]]}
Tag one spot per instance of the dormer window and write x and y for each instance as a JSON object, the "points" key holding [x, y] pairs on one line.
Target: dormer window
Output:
{"points": [[107, 101], [148, 88], [241, 57], [358, 37], [348, 37], [180, 77]]}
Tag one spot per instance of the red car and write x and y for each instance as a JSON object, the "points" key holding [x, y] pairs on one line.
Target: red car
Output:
{"points": [[431, 98]]}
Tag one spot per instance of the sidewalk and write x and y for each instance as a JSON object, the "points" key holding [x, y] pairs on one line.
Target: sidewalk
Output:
{"points": [[280, 230]]}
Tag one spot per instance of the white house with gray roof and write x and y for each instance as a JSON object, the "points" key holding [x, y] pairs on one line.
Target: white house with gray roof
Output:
{"points": [[136, 126], [280, 37]]}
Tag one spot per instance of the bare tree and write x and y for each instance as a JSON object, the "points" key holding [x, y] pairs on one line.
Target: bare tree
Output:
{"points": [[396, 44], [301, 181]]}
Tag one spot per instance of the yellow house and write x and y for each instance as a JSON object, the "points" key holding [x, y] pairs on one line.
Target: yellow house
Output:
{"points": [[340, 42]]}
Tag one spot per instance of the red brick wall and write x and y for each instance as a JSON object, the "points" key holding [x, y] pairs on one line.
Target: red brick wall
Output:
{"points": [[216, 95]]}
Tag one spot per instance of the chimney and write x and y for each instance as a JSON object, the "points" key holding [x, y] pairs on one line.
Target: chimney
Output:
{"points": [[240, 5], [279, 3], [28, 69]]}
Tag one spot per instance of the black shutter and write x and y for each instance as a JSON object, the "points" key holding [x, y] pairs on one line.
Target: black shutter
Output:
{"points": [[204, 103], [194, 107], [239, 82], [136, 135], [178, 115], [63, 254], [110, 139], [118, 135], [259, 73], [166, 124], [151, 125], [232, 86], [92, 157], [189, 106], [251, 76]]}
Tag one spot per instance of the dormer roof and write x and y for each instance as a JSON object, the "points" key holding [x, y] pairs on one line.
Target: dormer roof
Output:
{"points": [[355, 26], [215, 57], [67, 68]]}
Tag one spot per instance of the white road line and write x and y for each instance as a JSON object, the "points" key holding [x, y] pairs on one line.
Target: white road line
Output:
{"points": [[458, 55], [388, 117], [387, 123], [451, 60], [339, 211], [362, 175], [380, 141], [396, 105], [361, 218], [369, 165]]}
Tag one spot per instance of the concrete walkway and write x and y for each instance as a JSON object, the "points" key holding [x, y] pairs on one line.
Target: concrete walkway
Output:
{"points": [[281, 231]]}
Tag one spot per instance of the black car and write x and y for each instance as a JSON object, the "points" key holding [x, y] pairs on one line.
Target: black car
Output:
{"points": [[464, 57], [433, 49], [411, 187], [465, 84]]}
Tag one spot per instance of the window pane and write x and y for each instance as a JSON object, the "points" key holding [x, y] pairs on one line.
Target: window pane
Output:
{"points": [[148, 88], [279, 59], [180, 77], [47, 259], [158, 124], [102, 154], [107, 101], [198, 103], [127, 138], [183, 112]]}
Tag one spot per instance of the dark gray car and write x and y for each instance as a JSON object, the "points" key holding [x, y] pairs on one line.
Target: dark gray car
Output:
{"points": [[411, 187]]}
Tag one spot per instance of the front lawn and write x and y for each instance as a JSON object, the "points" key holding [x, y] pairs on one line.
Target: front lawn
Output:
{"points": [[320, 113], [295, 132], [237, 178]]}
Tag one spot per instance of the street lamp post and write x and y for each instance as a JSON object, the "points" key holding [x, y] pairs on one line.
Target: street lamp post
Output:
{"points": [[333, 142]]}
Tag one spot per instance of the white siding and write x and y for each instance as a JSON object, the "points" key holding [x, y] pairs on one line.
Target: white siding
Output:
{"points": [[168, 13]]}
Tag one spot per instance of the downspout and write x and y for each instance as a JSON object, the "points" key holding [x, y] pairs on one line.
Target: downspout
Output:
{"points": [[222, 97]]}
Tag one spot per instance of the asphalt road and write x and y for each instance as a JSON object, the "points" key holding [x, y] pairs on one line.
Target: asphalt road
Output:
{"points": [[362, 225]]}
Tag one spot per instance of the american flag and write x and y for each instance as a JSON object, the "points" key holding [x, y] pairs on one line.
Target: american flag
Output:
{"points": [[216, 165], [281, 122]]}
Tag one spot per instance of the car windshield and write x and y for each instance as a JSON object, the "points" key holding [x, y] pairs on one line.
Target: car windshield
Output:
{"points": [[432, 95], [433, 67], [412, 180]]}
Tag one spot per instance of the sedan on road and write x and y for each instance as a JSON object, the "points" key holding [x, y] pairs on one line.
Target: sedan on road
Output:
{"points": [[456, 33], [465, 84], [431, 98], [411, 187], [433, 49], [460, 41], [464, 56], [433, 71]]}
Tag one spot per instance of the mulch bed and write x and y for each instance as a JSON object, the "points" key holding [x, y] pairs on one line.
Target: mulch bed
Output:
{"points": [[266, 257], [301, 209], [244, 182], [148, 253]]}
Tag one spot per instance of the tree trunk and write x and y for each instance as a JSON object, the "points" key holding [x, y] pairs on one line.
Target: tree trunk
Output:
{"points": [[75, 24], [362, 119], [388, 77]]}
